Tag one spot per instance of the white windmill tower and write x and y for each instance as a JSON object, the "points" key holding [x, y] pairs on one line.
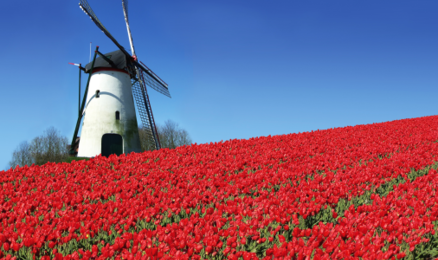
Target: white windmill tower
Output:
{"points": [[115, 79]]}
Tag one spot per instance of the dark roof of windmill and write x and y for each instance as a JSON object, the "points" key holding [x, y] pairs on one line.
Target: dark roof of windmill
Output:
{"points": [[118, 58]]}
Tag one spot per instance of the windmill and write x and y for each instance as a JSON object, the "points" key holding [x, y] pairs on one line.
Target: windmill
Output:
{"points": [[115, 80]]}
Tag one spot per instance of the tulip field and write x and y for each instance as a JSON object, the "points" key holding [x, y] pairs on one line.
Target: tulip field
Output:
{"points": [[362, 192]]}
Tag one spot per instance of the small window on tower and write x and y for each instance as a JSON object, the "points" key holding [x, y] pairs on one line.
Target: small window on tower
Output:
{"points": [[97, 93], [117, 115]]}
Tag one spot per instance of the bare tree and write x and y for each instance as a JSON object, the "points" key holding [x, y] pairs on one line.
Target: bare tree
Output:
{"points": [[49, 147], [21, 155], [170, 134]]}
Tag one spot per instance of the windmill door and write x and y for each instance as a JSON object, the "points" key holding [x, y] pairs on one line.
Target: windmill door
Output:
{"points": [[112, 144]]}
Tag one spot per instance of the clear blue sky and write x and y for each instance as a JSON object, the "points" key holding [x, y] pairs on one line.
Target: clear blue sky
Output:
{"points": [[235, 69]]}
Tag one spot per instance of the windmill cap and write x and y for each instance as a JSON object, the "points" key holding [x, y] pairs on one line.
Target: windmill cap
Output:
{"points": [[118, 58]]}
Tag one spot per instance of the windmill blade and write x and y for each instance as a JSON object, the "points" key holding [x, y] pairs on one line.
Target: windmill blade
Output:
{"points": [[125, 13], [83, 4], [149, 77], [125, 7], [145, 112], [152, 80]]}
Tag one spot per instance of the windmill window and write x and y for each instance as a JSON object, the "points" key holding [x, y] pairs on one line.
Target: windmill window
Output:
{"points": [[117, 115], [97, 93]]}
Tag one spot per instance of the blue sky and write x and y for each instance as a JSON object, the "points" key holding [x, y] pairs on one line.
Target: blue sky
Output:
{"points": [[235, 69]]}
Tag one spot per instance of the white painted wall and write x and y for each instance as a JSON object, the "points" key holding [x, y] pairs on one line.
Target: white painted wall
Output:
{"points": [[115, 95]]}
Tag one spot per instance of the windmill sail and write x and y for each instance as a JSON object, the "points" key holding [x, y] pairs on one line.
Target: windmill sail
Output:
{"points": [[153, 81], [144, 110], [150, 78], [83, 4], [125, 7], [125, 12]]}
